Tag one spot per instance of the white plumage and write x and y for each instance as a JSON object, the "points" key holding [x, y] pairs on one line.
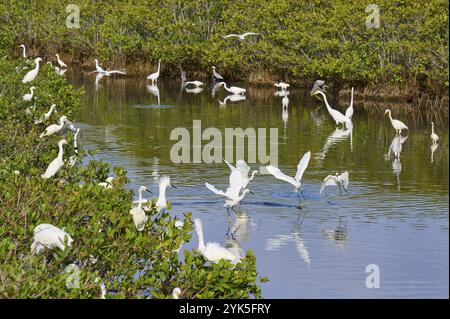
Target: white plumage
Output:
{"points": [[45, 116], [54, 128], [194, 83], [161, 203], [154, 76], [27, 97], [234, 89], [107, 184], [102, 72], [176, 293], [337, 116], [349, 110], [139, 217], [24, 54], [296, 181], [434, 136], [57, 163], [60, 62], [216, 76], [396, 124], [240, 36], [282, 85], [49, 236], [336, 180], [31, 75]]}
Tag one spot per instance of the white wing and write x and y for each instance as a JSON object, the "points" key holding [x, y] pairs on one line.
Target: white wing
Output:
{"points": [[52, 169], [302, 165], [349, 112], [215, 190], [229, 165], [249, 33], [231, 35], [116, 71], [328, 181], [275, 171], [215, 252], [344, 179]]}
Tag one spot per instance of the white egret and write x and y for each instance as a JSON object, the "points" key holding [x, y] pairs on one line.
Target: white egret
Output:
{"points": [[240, 36], [212, 251], [182, 75], [336, 180], [434, 136], [31, 75], [54, 128], [46, 116], [349, 110], [216, 76], [176, 293], [234, 89], [103, 72], [154, 76], [60, 62], [24, 54], [244, 170], [29, 96], [139, 217], [396, 124], [57, 163], [107, 184], [161, 203], [194, 90], [337, 116], [194, 83], [282, 85], [296, 181], [49, 236]]}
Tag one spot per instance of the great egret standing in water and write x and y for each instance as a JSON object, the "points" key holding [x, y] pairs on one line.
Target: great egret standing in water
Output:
{"points": [[296, 181], [57, 163], [337, 116], [434, 136], [349, 110], [31, 75], [154, 76], [396, 124], [234, 89], [49, 236], [103, 72], [212, 252], [336, 180]]}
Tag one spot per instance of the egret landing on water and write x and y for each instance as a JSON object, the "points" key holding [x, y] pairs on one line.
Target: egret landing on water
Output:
{"points": [[396, 124], [337, 116], [336, 180], [296, 181], [154, 76], [244, 170], [49, 236], [139, 217], [434, 136], [212, 252], [30, 76], [54, 128], [57, 163]]}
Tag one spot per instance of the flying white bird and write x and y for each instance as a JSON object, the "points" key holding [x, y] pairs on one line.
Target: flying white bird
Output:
{"points": [[60, 62], [282, 85], [212, 251], [27, 97], [396, 124], [349, 110], [216, 76], [234, 89], [337, 116], [154, 76], [49, 236], [296, 181], [46, 116], [57, 163], [31, 75], [336, 180], [244, 170], [240, 36], [434, 136], [54, 128], [139, 217]]}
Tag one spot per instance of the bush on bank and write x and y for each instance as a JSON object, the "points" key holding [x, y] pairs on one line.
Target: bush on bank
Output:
{"points": [[107, 248]]}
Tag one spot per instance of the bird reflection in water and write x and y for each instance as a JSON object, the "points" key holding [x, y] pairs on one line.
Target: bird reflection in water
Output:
{"points": [[338, 135], [396, 148], [154, 90], [232, 98], [338, 235], [433, 148]]}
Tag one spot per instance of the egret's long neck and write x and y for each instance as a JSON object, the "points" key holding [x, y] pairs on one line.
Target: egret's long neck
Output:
{"points": [[253, 175], [23, 52], [226, 87], [140, 199], [432, 128], [351, 99], [159, 65], [390, 117], [162, 193], [37, 66], [61, 151], [61, 123], [201, 243], [326, 101]]}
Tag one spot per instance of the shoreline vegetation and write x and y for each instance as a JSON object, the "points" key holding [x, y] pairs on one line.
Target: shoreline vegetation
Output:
{"points": [[108, 256], [298, 41]]}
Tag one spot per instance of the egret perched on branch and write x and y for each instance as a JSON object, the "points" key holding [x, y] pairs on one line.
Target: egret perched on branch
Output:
{"points": [[49, 236], [29, 96], [31, 75], [296, 181], [396, 124], [434, 136], [337, 116], [107, 184], [216, 76], [54, 128], [234, 89], [240, 36], [212, 252], [154, 76], [57, 163], [336, 180], [139, 217], [46, 116]]}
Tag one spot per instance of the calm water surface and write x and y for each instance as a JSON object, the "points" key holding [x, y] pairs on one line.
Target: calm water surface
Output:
{"points": [[396, 215]]}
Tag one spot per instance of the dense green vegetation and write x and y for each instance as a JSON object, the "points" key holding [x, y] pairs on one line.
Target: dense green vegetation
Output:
{"points": [[106, 243], [300, 39]]}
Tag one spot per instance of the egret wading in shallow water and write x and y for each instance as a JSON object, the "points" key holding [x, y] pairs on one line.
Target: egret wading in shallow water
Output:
{"points": [[49, 236], [46, 116], [434, 136], [30, 76], [296, 181], [154, 76], [60, 62], [349, 110], [283, 86], [336, 180], [161, 203], [57, 163], [240, 36], [103, 72], [337, 116], [396, 124], [29, 96], [212, 251], [216, 76], [234, 89], [139, 217], [24, 54], [54, 128]]}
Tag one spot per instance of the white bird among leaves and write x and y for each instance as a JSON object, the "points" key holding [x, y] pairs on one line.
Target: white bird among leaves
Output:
{"points": [[49, 236], [60, 62], [161, 203], [340, 180], [241, 36], [29, 96], [46, 116], [54, 128], [57, 163], [31, 75], [139, 217]]}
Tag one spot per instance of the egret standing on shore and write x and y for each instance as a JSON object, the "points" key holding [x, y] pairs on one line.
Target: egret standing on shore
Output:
{"points": [[30, 76], [396, 124], [57, 163]]}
